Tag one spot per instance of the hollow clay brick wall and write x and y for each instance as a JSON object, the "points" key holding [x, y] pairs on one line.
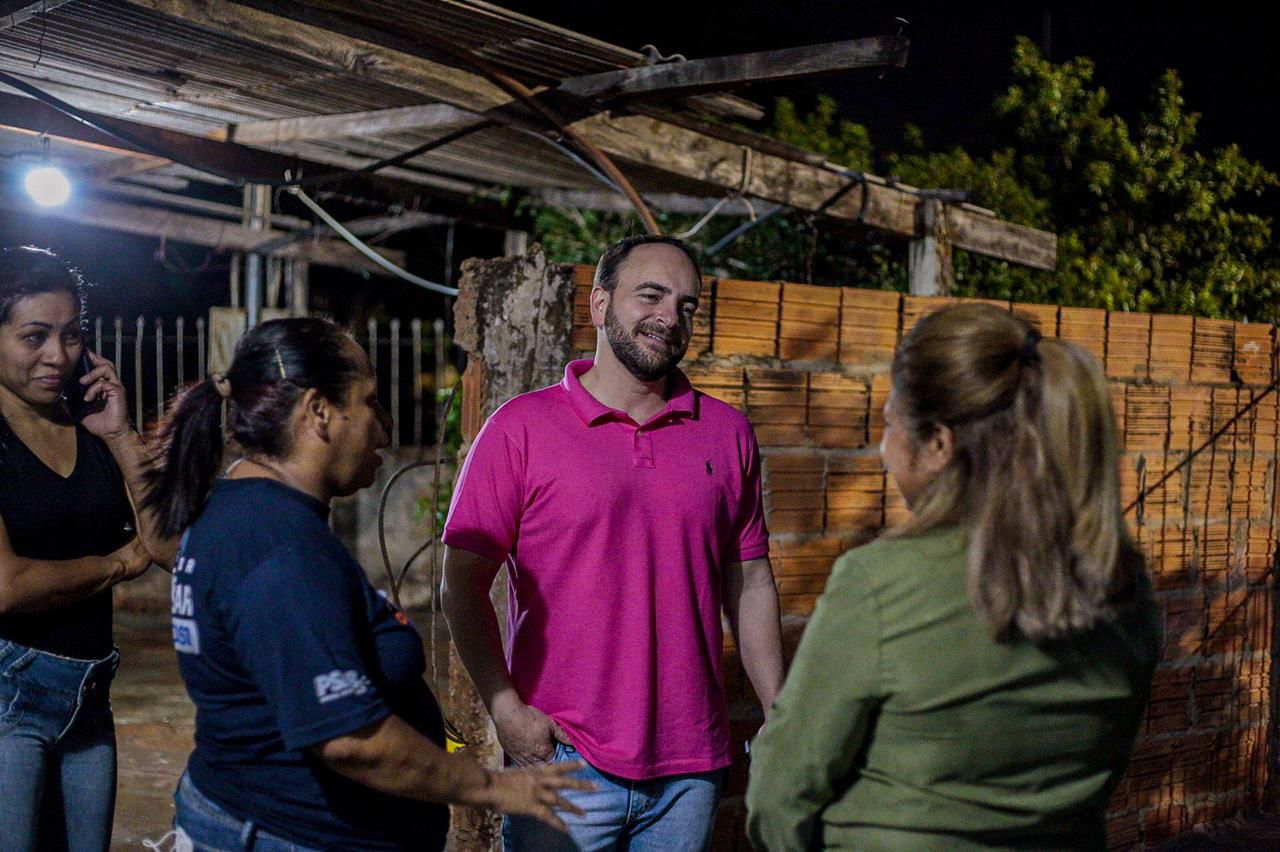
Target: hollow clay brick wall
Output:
{"points": [[809, 366]]}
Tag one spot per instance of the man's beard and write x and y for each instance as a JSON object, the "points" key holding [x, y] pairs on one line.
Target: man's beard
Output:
{"points": [[641, 361]]}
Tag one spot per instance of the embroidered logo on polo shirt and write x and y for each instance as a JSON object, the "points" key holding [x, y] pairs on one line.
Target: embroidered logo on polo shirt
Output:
{"points": [[336, 684]]}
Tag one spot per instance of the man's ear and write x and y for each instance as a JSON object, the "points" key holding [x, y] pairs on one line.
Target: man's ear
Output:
{"points": [[316, 412], [937, 450], [599, 304]]}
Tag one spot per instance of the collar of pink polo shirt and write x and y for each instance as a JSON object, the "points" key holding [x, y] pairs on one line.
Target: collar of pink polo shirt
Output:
{"points": [[593, 411]]}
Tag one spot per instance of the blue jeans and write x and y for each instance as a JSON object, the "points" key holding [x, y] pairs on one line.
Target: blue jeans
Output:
{"points": [[675, 813], [212, 829], [57, 751]]}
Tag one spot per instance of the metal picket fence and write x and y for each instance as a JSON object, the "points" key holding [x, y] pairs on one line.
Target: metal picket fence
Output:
{"points": [[157, 357]]}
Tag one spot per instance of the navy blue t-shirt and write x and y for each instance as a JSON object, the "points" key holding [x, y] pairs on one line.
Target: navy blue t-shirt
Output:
{"points": [[283, 644]]}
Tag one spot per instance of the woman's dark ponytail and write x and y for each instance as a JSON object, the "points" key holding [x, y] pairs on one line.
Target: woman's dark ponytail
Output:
{"points": [[189, 458], [274, 365]]}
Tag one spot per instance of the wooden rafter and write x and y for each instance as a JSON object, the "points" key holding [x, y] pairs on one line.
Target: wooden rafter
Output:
{"points": [[441, 117], [669, 202], [25, 115], [14, 12], [125, 166], [680, 79]]}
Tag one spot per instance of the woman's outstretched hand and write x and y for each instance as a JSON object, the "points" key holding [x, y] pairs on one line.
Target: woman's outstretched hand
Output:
{"points": [[536, 791]]}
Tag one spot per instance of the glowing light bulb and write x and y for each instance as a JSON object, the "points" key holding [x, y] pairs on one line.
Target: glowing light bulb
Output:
{"points": [[47, 186]]}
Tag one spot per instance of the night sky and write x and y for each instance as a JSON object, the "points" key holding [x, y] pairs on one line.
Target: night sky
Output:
{"points": [[960, 55]]}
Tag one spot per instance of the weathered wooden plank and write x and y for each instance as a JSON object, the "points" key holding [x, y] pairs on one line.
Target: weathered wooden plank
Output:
{"points": [[682, 152], [14, 12], [613, 202], [442, 117], [182, 227], [123, 167], [984, 234], [26, 115], [253, 164], [677, 79]]}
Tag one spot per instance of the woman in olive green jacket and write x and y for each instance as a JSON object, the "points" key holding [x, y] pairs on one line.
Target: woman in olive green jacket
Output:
{"points": [[976, 678]]}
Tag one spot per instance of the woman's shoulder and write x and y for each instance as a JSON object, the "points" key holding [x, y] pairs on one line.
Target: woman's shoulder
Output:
{"points": [[889, 553], [905, 574], [259, 515]]}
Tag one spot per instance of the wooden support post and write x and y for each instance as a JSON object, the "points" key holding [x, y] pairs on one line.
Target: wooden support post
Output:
{"points": [[233, 297], [515, 243], [299, 290], [514, 319], [929, 257], [257, 208]]}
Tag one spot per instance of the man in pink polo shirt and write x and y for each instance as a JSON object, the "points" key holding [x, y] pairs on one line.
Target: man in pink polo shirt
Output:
{"points": [[627, 508]]}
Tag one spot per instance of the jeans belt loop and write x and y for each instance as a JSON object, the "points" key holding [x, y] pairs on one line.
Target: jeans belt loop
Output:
{"points": [[247, 834]]}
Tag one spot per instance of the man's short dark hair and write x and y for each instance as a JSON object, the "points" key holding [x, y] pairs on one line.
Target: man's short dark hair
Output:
{"points": [[611, 261]]}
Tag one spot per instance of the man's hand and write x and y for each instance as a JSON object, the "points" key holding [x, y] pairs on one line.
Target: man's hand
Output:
{"points": [[526, 734]]}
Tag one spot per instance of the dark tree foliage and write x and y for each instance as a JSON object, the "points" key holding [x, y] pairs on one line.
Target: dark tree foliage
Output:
{"points": [[1146, 220]]}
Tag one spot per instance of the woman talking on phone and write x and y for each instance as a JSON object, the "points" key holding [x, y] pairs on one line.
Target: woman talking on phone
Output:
{"points": [[68, 533], [314, 727]]}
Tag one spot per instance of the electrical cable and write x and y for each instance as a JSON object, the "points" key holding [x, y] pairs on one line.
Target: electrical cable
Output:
{"points": [[364, 249], [522, 92], [742, 229], [572, 155]]}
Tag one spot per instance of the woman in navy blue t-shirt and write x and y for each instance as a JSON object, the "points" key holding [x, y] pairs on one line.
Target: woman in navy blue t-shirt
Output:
{"points": [[314, 726]]}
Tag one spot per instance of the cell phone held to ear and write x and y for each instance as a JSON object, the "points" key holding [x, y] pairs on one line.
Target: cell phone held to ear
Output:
{"points": [[73, 392]]}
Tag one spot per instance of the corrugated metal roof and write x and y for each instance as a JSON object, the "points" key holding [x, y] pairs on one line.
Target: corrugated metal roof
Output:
{"points": [[124, 60]]}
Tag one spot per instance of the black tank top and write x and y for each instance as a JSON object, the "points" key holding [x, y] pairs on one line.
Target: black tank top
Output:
{"points": [[48, 517]]}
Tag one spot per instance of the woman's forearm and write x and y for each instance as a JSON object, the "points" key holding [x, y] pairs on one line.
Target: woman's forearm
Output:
{"points": [[393, 758], [35, 585], [130, 453]]}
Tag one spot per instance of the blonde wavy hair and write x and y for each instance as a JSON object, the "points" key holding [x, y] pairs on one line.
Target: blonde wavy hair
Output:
{"points": [[1033, 477]]}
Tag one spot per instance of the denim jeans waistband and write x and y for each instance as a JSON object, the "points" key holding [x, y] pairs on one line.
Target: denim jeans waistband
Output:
{"points": [[65, 677]]}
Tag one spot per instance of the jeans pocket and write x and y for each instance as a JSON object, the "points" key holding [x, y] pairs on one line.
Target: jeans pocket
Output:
{"points": [[13, 701], [554, 757]]}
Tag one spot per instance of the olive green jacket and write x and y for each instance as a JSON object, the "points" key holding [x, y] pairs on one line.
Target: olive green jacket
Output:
{"points": [[903, 725]]}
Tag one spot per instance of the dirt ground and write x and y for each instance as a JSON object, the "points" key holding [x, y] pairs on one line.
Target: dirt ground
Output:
{"points": [[154, 726]]}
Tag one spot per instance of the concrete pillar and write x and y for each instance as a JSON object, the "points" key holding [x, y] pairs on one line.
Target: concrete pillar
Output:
{"points": [[514, 319]]}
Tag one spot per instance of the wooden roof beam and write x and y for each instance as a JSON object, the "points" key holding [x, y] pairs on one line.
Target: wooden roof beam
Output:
{"points": [[440, 117], [254, 165], [26, 115], [195, 230], [614, 202], [14, 12], [130, 164], [681, 79]]}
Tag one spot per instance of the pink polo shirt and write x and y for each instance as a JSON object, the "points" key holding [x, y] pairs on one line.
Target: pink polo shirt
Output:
{"points": [[615, 535]]}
